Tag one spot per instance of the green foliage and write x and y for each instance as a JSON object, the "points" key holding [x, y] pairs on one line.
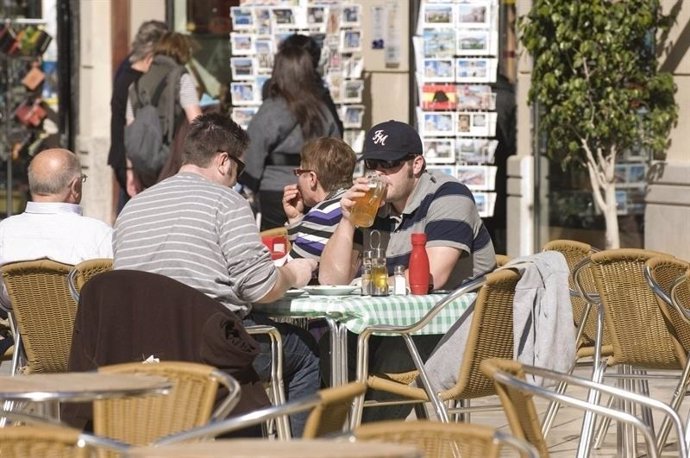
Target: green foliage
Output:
{"points": [[596, 78]]}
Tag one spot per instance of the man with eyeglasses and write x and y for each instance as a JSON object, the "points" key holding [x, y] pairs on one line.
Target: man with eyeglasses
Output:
{"points": [[52, 225], [416, 200], [195, 228]]}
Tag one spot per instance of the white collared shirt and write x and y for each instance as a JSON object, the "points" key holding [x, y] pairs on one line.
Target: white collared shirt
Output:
{"points": [[56, 231]]}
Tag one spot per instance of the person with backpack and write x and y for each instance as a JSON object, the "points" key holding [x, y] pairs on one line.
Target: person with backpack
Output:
{"points": [[130, 69], [158, 104], [292, 114]]}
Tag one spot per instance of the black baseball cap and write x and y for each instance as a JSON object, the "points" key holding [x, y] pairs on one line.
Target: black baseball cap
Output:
{"points": [[391, 140]]}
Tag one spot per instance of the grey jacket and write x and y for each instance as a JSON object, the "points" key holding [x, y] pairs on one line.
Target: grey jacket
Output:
{"points": [[274, 129]]}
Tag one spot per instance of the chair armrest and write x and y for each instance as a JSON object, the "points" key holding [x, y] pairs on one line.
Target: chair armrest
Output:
{"points": [[242, 421], [231, 400], [675, 301], [592, 298]]}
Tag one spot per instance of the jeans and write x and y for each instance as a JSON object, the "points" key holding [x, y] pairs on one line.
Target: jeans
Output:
{"points": [[301, 373]]}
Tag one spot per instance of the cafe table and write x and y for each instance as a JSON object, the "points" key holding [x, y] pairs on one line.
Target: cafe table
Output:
{"points": [[262, 448], [354, 313], [79, 386]]}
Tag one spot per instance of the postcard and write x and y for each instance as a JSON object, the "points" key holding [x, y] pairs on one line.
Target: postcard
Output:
{"points": [[637, 173], [242, 115], [439, 42], [439, 150], [438, 97], [334, 81], [473, 15], [485, 202], [284, 18], [354, 138], [438, 70], [351, 40], [352, 116], [264, 54], [350, 15], [445, 169], [352, 91], [437, 15], [316, 17], [475, 70], [475, 97], [242, 18], [242, 68], [333, 21], [242, 44], [474, 176], [621, 202], [473, 42], [435, 123], [475, 150], [244, 93], [353, 66]]}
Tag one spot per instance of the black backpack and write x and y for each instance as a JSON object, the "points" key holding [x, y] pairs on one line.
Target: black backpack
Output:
{"points": [[157, 114]]}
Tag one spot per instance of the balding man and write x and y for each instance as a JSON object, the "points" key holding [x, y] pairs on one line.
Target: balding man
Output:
{"points": [[52, 226]]}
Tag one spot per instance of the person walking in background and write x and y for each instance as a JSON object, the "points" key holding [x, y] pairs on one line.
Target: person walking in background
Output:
{"points": [[129, 70], [310, 45], [324, 174], [293, 113], [172, 90]]}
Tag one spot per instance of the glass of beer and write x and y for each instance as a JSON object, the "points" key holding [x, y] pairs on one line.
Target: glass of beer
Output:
{"points": [[365, 208]]}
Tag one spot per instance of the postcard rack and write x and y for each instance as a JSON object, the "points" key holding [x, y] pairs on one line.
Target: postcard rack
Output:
{"points": [[456, 49], [22, 43], [258, 29]]}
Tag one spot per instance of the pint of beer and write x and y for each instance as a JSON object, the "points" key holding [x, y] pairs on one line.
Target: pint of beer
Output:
{"points": [[366, 207]]}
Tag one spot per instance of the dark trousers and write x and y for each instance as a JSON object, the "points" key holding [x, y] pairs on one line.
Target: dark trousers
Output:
{"points": [[386, 355]]}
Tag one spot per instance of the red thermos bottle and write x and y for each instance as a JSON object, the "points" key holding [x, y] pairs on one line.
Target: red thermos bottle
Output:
{"points": [[419, 265]]}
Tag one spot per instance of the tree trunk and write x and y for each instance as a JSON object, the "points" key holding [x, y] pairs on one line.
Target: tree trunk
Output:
{"points": [[611, 217]]}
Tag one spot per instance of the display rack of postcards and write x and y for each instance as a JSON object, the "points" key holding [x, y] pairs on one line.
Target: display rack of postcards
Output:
{"points": [[630, 176], [24, 113], [260, 26], [456, 49]]}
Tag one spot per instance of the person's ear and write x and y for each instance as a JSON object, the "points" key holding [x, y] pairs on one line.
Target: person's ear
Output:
{"points": [[313, 181], [418, 164]]}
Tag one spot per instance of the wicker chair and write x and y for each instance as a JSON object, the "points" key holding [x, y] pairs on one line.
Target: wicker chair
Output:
{"points": [[82, 272], [490, 336], [441, 440], [516, 396], [641, 335], [329, 409], [142, 420], [43, 313]]}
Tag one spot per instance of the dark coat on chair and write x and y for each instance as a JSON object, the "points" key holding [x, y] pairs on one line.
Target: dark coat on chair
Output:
{"points": [[127, 315]]}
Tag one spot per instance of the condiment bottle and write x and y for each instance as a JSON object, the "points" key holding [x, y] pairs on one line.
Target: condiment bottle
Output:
{"points": [[419, 265], [399, 281]]}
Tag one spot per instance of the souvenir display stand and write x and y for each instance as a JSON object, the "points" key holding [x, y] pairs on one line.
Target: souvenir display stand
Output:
{"points": [[259, 27], [456, 59]]}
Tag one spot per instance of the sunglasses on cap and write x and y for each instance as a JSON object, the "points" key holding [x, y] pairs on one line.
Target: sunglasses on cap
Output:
{"points": [[381, 164]]}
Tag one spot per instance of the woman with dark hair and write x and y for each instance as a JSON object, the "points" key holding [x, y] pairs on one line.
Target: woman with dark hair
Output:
{"points": [[292, 114]]}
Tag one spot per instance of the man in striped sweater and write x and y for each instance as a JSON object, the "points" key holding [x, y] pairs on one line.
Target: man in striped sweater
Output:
{"points": [[325, 173], [195, 228]]}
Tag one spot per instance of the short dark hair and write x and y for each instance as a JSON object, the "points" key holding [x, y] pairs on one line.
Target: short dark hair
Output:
{"points": [[332, 160], [210, 133]]}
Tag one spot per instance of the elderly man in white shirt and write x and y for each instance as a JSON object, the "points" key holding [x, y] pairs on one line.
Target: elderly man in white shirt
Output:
{"points": [[52, 226]]}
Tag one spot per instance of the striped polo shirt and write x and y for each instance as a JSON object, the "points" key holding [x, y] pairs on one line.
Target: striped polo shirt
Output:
{"points": [[311, 233], [199, 233], [444, 209]]}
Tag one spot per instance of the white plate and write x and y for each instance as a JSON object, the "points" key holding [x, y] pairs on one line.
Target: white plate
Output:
{"points": [[295, 293], [330, 290]]}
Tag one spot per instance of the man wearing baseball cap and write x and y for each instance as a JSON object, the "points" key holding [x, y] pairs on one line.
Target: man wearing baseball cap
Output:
{"points": [[458, 245]]}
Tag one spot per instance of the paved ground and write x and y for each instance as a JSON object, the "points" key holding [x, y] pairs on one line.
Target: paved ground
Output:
{"points": [[564, 436]]}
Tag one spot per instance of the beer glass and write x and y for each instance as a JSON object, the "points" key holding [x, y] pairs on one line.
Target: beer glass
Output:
{"points": [[365, 208]]}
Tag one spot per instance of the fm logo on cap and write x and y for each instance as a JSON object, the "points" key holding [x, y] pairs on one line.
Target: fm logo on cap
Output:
{"points": [[379, 138]]}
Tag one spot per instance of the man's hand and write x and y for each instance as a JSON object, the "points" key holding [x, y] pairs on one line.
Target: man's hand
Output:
{"points": [[300, 271], [293, 204], [357, 191]]}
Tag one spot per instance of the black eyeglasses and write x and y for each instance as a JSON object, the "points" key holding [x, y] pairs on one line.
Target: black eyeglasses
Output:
{"points": [[376, 164], [299, 172], [240, 165]]}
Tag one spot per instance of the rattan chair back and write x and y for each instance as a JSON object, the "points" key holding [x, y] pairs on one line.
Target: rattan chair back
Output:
{"points": [[518, 405], [86, 270], [33, 441], [330, 414], [575, 252], [142, 420], [491, 335], [663, 272], [44, 311], [441, 440], [639, 331]]}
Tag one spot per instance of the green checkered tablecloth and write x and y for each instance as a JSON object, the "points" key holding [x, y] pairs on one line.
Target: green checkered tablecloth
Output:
{"points": [[358, 312]]}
